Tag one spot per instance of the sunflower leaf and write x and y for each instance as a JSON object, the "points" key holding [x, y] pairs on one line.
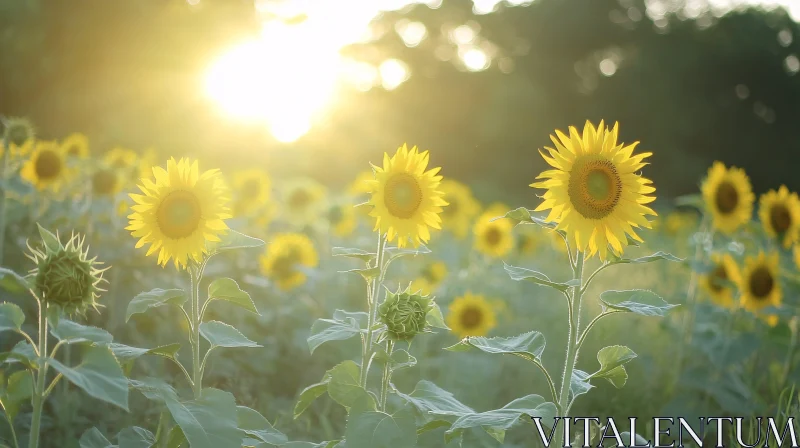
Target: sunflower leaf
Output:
{"points": [[51, 242], [227, 289], [74, 333], [649, 258], [220, 334], [11, 317], [638, 301], [353, 253], [234, 240], [343, 326], [524, 216], [519, 274], [610, 358], [368, 273], [528, 345], [153, 299], [93, 438], [13, 282]]}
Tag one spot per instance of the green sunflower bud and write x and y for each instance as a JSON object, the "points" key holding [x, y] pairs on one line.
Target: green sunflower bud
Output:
{"points": [[17, 131], [65, 277], [404, 314]]}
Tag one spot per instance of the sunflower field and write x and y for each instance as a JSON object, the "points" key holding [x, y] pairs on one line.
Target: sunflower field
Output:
{"points": [[478, 238]]}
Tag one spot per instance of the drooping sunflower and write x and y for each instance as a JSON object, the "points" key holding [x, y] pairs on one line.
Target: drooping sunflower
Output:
{"points": [[179, 211], [461, 209], [302, 200], [252, 190], [284, 258], [594, 192], [717, 281], [471, 315], [20, 135], [728, 197], [431, 276], [779, 212], [341, 218], [76, 145], [759, 283], [494, 238], [406, 199], [47, 166], [106, 181]]}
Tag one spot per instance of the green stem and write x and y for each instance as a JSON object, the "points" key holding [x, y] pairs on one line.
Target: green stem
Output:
{"points": [[3, 194], [11, 427], [197, 373], [373, 307], [572, 346], [387, 375], [787, 365], [582, 337], [38, 393]]}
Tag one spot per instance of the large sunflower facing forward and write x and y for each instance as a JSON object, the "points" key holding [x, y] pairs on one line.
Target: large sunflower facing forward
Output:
{"points": [[717, 282], [779, 212], [594, 193], [471, 315], [285, 257], [759, 283], [728, 197], [461, 207], [406, 199], [47, 166], [179, 211], [494, 237]]}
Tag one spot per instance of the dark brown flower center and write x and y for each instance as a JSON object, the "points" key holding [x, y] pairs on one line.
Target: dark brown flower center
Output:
{"points": [[718, 278], [780, 219], [761, 283], [104, 182], [471, 317], [493, 236], [726, 198], [251, 188], [594, 187], [48, 165]]}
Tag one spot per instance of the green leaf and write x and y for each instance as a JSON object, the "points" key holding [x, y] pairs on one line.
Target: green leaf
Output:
{"points": [[528, 345], [11, 317], [126, 353], [344, 325], [234, 240], [13, 282], [639, 301], [155, 298], [228, 290], [524, 216], [649, 258], [374, 429], [431, 399], [330, 444], [432, 426], [579, 384], [93, 438], [75, 333], [397, 252], [309, 394], [507, 416], [400, 359], [353, 253], [618, 377], [176, 437], [22, 352], [368, 273], [136, 437], [435, 319], [692, 200], [519, 274], [344, 387], [254, 424], [98, 374], [610, 358], [18, 392], [220, 334], [209, 421], [51, 242]]}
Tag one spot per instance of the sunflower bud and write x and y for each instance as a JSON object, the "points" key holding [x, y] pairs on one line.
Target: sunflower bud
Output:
{"points": [[405, 313], [64, 276], [17, 131]]}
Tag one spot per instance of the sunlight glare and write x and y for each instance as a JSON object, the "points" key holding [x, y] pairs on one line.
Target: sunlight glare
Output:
{"points": [[393, 73]]}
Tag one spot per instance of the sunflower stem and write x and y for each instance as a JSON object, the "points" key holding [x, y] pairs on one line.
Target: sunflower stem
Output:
{"points": [[197, 372], [387, 375], [373, 306], [37, 401], [3, 194], [572, 346]]}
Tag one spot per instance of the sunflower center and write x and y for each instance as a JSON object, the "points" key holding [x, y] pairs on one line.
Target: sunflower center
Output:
{"points": [[780, 219], [727, 198], [284, 265], [471, 317], [492, 236], [402, 195], [74, 150], [104, 182], [251, 188], [718, 278], [299, 199], [594, 188], [179, 214], [48, 165], [761, 283]]}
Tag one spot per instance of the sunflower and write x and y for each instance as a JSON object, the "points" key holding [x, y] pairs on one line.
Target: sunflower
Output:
{"points": [[715, 282], [342, 219], [471, 315], [759, 283], [20, 135], [302, 200], [76, 145], [106, 181], [594, 193], [677, 222], [431, 276], [406, 199], [779, 212], [252, 190], [461, 209], [285, 253], [494, 238], [728, 197], [47, 166], [179, 211]]}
